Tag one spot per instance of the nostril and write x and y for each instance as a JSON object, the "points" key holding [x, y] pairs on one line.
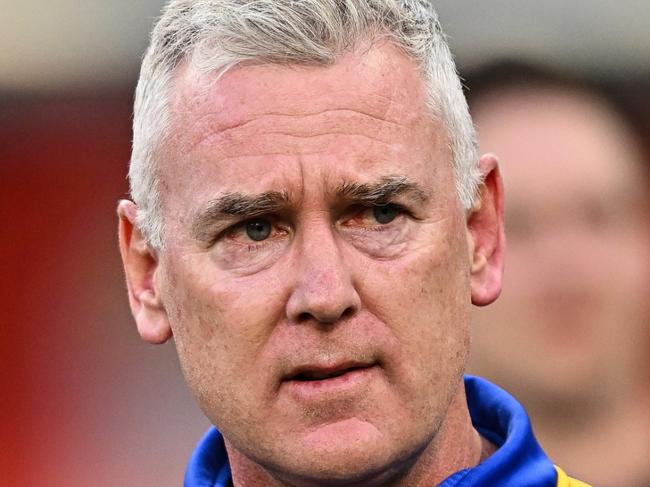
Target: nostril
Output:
{"points": [[324, 318], [302, 317], [348, 312]]}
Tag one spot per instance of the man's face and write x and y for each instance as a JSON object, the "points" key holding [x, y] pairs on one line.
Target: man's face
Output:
{"points": [[316, 273], [569, 324]]}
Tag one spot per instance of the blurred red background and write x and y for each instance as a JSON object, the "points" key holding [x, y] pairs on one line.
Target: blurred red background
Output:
{"points": [[84, 401]]}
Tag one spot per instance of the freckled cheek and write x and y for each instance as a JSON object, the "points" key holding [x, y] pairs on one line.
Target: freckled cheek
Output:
{"points": [[429, 327], [221, 337], [206, 305], [422, 298]]}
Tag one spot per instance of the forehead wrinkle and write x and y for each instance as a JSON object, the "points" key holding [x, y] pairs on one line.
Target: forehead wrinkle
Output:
{"points": [[212, 126]]}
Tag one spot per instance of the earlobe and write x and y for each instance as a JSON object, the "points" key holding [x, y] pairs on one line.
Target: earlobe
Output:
{"points": [[486, 235], [140, 265]]}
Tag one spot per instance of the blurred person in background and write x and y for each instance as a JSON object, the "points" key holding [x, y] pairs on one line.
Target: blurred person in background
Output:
{"points": [[569, 334]]}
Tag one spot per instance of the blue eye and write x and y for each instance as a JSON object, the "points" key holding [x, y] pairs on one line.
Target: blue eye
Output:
{"points": [[258, 229], [385, 214]]}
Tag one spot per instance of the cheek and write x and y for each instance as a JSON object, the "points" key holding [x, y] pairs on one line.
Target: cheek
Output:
{"points": [[208, 304], [203, 341], [220, 331], [424, 299]]}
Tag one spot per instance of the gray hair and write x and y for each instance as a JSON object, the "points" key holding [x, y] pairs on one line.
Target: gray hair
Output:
{"points": [[215, 35]]}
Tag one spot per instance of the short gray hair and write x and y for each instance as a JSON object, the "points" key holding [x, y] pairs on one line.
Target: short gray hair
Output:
{"points": [[218, 34]]}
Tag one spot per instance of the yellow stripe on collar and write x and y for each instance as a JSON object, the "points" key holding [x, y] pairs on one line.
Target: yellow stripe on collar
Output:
{"points": [[563, 480]]}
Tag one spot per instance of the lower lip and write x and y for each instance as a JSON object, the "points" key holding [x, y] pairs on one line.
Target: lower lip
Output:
{"points": [[345, 383]]}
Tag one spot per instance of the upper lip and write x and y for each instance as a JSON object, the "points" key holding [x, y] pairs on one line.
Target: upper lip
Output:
{"points": [[324, 371]]}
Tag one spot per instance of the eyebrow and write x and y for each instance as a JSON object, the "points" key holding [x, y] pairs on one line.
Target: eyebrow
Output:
{"points": [[381, 192], [245, 206], [237, 205]]}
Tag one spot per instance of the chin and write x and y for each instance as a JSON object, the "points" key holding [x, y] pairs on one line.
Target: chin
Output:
{"points": [[349, 452], [348, 467]]}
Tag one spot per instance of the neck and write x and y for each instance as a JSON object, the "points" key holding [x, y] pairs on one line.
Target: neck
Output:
{"points": [[455, 446]]}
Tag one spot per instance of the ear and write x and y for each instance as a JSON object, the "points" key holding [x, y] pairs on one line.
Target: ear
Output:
{"points": [[486, 235], [140, 265]]}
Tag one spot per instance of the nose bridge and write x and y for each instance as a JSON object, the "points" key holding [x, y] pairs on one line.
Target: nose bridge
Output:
{"points": [[324, 290], [319, 246]]}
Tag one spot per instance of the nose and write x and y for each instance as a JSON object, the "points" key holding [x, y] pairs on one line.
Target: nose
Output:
{"points": [[324, 290]]}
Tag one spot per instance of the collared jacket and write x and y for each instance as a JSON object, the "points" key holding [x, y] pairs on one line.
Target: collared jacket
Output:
{"points": [[518, 461]]}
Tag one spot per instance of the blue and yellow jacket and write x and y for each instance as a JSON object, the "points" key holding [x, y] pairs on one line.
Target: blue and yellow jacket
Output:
{"points": [[518, 462]]}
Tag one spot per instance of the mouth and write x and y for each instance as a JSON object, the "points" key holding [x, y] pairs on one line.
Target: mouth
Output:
{"points": [[314, 383], [311, 374]]}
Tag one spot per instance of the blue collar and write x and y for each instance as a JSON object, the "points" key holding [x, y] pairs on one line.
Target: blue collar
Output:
{"points": [[518, 462]]}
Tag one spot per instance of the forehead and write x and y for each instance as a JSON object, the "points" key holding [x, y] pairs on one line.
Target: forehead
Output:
{"points": [[367, 109], [381, 82], [553, 142]]}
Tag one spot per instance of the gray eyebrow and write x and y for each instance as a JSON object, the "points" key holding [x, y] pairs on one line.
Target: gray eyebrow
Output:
{"points": [[238, 205], [381, 192], [245, 206]]}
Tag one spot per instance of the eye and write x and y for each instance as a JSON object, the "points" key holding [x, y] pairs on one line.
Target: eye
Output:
{"points": [[385, 214], [258, 229]]}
